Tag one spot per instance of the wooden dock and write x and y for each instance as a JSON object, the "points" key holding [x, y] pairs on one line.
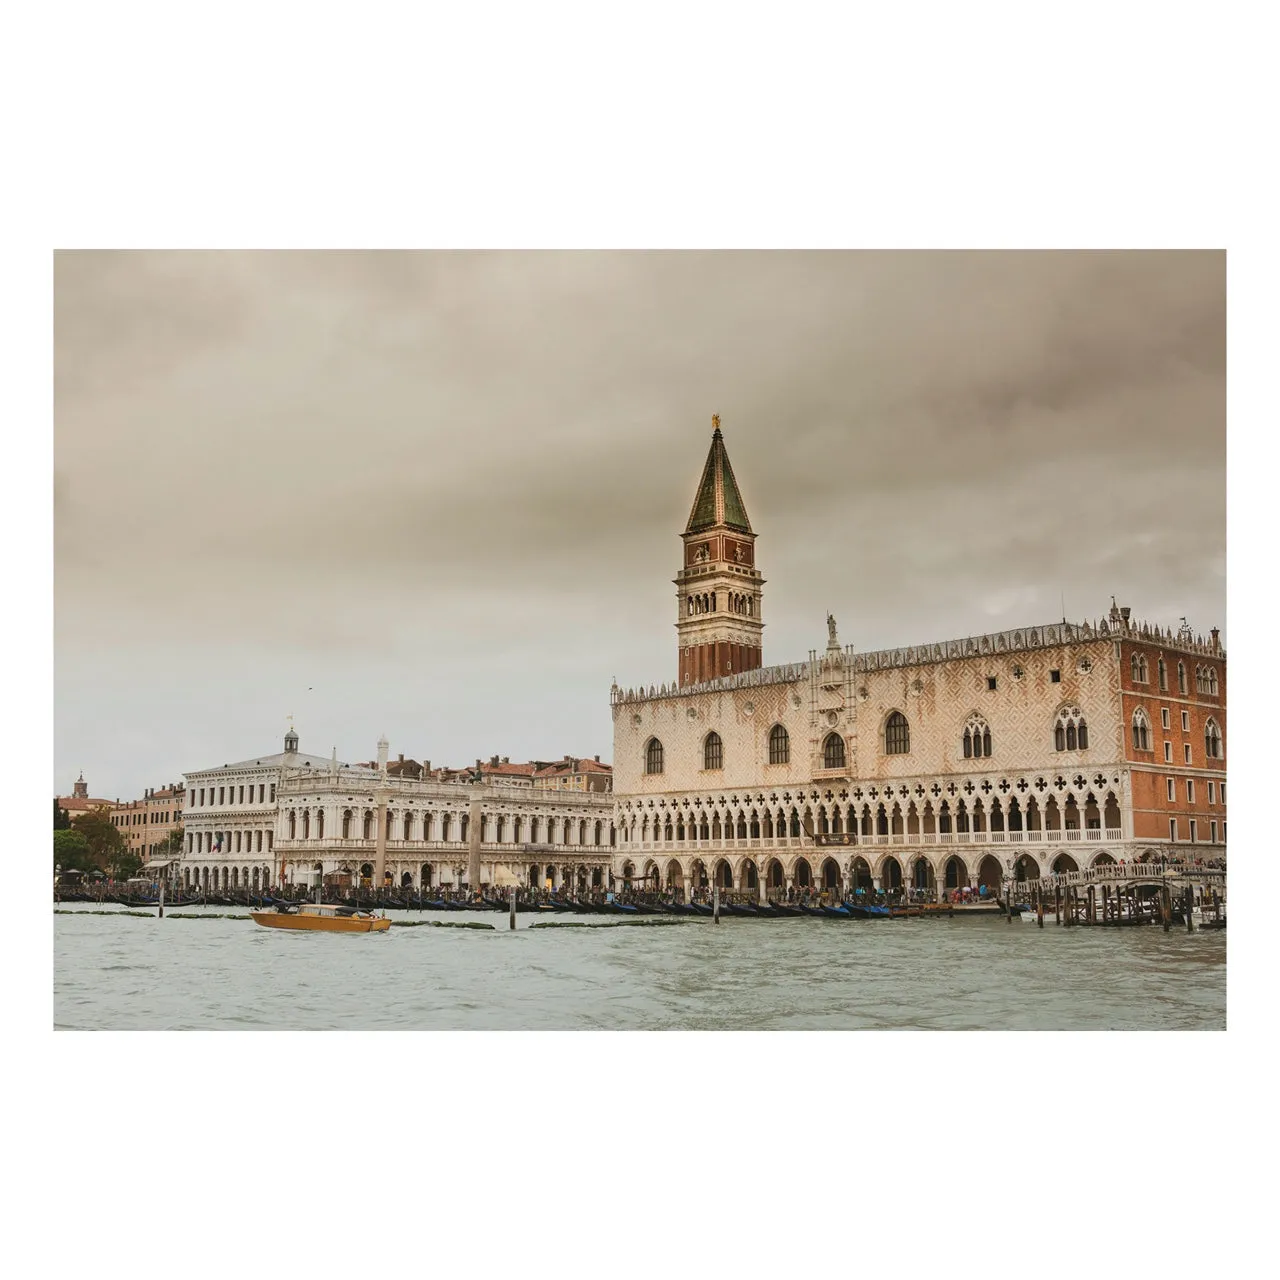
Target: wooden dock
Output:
{"points": [[1123, 894]]}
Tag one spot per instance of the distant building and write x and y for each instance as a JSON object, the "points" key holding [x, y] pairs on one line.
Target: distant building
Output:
{"points": [[147, 823], [231, 815], [573, 774], [80, 801], [296, 818]]}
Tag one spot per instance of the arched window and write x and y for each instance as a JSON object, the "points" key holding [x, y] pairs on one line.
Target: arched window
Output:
{"points": [[1138, 667], [779, 745], [1212, 741], [1141, 731], [1069, 731], [833, 752], [897, 737], [1213, 681], [1182, 678], [977, 737], [713, 752], [653, 756], [1163, 673]]}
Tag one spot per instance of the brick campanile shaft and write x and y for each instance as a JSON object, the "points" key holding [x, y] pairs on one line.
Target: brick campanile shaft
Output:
{"points": [[718, 588]]}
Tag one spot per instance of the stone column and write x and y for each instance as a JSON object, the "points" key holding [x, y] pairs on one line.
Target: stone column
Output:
{"points": [[475, 830], [380, 853]]}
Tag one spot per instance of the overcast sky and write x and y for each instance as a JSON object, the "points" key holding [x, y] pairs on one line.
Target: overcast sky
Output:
{"points": [[439, 495]]}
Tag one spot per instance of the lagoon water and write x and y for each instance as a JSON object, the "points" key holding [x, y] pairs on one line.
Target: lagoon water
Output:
{"points": [[126, 972]]}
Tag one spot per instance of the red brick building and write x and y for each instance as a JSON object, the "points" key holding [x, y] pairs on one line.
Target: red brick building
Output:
{"points": [[1174, 698]]}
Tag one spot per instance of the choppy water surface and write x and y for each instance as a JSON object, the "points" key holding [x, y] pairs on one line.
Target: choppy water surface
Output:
{"points": [[126, 972]]}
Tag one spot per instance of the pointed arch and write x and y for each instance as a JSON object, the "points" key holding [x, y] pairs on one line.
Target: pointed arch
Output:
{"points": [[897, 734], [779, 745], [1070, 732], [653, 756], [976, 738]]}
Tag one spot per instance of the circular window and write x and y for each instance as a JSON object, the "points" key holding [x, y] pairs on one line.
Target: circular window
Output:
{"points": [[748, 708], [692, 713], [635, 719], [832, 718]]}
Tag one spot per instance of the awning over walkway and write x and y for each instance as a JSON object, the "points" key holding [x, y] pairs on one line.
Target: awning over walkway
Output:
{"points": [[156, 866]]}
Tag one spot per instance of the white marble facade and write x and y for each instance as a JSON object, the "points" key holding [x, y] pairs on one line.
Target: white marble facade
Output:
{"points": [[292, 818]]}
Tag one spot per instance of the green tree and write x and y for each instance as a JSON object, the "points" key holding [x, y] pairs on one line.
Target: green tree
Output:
{"points": [[102, 835], [60, 820], [171, 845], [123, 863], [71, 851]]}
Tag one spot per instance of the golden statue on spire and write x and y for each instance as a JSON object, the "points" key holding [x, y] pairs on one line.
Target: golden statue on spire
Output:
{"points": [[715, 421]]}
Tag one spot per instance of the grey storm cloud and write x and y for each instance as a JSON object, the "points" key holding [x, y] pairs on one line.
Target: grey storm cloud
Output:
{"points": [[453, 483]]}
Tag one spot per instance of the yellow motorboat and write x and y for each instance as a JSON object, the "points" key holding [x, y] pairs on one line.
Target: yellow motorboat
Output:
{"points": [[321, 919]]}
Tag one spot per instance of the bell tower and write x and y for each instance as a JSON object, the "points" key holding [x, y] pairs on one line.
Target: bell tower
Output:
{"points": [[718, 588]]}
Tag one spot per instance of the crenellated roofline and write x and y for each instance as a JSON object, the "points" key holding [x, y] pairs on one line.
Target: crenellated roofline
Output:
{"points": [[1019, 639]]}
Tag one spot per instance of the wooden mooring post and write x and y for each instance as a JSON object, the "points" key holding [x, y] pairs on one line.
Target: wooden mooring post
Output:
{"points": [[715, 904], [1166, 908], [1008, 903], [1057, 904], [1188, 902], [513, 906], [1039, 907], [1090, 910]]}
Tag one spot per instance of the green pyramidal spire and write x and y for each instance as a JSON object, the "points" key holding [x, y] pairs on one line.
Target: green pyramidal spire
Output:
{"points": [[718, 501]]}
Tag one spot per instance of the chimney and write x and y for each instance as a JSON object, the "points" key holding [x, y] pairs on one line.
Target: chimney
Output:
{"points": [[402, 757], [493, 761], [1214, 634], [506, 759], [597, 759], [426, 766]]}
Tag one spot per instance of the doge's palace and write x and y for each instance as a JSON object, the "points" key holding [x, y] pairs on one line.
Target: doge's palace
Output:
{"points": [[1053, 746]]}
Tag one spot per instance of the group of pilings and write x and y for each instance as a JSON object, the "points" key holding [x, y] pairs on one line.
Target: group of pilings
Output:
{"points": [[1122, 904]]}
